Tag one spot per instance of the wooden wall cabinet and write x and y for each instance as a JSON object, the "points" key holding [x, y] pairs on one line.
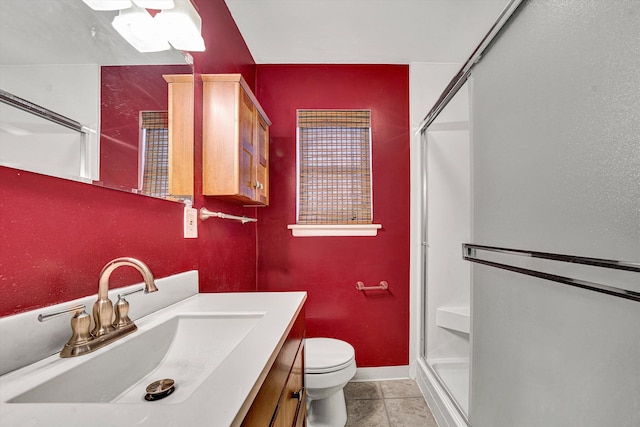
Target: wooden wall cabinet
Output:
{"points": [[280, 401], [235, 141], [180, 134]]}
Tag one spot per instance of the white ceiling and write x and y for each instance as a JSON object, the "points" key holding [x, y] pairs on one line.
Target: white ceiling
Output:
{"points": [[67, 32], [276, 31], [363, 31]]}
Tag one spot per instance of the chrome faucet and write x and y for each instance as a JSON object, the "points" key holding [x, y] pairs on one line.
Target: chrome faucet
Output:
{"points": [[103, 307], [106, 329]]}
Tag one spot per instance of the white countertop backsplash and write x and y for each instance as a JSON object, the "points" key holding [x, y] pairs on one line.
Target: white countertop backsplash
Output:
{"points": [[25, 340]]}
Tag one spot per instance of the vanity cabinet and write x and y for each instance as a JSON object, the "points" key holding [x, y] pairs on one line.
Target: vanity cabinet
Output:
{"points": [[235, 150], [291, 406], [280, 400]]}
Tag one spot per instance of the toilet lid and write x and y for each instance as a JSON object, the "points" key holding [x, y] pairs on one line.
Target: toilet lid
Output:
{"points": [[323, 355]]}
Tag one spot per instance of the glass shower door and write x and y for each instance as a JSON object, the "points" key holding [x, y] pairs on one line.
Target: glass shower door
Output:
{"points": [[446, 206]]}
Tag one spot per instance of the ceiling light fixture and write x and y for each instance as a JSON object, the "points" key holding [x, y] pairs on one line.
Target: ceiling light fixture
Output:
{"points": [[155, 4], [182, 26], [140, 29], [108, 4]]}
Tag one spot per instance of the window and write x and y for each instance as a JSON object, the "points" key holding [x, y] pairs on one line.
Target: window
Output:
{"points": [[155, 153], [334, 173]]}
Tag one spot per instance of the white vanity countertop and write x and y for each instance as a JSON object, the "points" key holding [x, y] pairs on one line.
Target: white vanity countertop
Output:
{"points": [[216, 402]]}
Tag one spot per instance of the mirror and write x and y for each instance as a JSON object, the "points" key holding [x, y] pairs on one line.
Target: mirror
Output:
{"points": [[64, 57]]}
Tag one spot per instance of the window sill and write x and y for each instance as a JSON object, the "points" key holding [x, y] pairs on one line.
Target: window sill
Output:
{"points": [[334, 230]]}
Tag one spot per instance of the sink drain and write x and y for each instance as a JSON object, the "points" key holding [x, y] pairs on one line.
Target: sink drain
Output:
{"points": [[159, 389]]}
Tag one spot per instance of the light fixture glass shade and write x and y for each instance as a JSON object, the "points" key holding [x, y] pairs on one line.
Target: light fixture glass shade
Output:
{"points": [[182, 26], [140, 29], [155, 4], [108, 4]]}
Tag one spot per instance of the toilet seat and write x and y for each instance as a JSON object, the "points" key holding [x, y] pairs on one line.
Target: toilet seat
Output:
{"points": [[324, 355]]}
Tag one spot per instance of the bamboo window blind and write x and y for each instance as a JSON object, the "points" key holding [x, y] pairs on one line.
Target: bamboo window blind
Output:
{"points": [[334, 167], [155, 142]]}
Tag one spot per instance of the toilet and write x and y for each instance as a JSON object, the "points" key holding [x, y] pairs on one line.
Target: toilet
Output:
{"points": [[329, 365]]}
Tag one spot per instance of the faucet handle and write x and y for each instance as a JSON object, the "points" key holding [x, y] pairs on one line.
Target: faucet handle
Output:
{"points": [[80, 335], [49, 316], [80, 325], [122, 309], [124, 294]]}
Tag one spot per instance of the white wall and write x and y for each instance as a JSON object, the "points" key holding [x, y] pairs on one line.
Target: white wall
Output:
{"points": [[70, 90], [556, 114]]}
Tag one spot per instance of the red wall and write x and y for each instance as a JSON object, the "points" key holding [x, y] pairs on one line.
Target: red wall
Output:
{"points": [[124, 92], [226, 51], [227, 249], [56, 235], [375, 323]]}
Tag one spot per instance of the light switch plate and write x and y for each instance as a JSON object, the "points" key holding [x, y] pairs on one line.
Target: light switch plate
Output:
{"points": [[190, 223]]}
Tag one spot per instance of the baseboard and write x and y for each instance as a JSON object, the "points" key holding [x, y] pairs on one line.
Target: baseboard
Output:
{"points": [[382, 373]]}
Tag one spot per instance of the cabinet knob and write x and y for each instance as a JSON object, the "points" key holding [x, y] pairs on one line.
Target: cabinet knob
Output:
{"points": [[298, 394], [258, 185]]}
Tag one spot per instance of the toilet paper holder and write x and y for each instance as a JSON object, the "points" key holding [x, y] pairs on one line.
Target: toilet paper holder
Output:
{"points": [[382, 286]]}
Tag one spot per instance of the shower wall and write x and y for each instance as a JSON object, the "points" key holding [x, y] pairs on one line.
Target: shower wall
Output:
{"points": [[448, 226], [447, 169], [556, 168]]}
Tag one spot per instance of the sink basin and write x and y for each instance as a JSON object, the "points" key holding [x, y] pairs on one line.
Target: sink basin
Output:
{"points": [[186, 348], [214, 346]]}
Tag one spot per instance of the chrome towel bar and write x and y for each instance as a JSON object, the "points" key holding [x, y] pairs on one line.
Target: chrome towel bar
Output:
{"points": [[42, 112], [206, 213], [469, 254]]}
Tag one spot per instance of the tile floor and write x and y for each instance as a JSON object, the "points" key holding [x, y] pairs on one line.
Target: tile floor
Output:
{"points": [[392, 403]]}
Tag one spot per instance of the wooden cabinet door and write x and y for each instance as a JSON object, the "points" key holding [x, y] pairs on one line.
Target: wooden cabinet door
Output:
{"points": [[291, 407], [275, 403], [246, 126], [262, 160], [235, 142]]}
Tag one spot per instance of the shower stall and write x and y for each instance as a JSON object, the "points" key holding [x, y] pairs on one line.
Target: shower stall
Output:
{"points": [[530, 223]]}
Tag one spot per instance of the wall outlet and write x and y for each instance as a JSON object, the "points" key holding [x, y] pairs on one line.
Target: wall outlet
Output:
{"points": [[190, 223]]}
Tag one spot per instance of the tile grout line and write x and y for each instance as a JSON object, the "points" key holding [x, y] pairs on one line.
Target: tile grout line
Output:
{"points": [[384, 404], [380, 396]]}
